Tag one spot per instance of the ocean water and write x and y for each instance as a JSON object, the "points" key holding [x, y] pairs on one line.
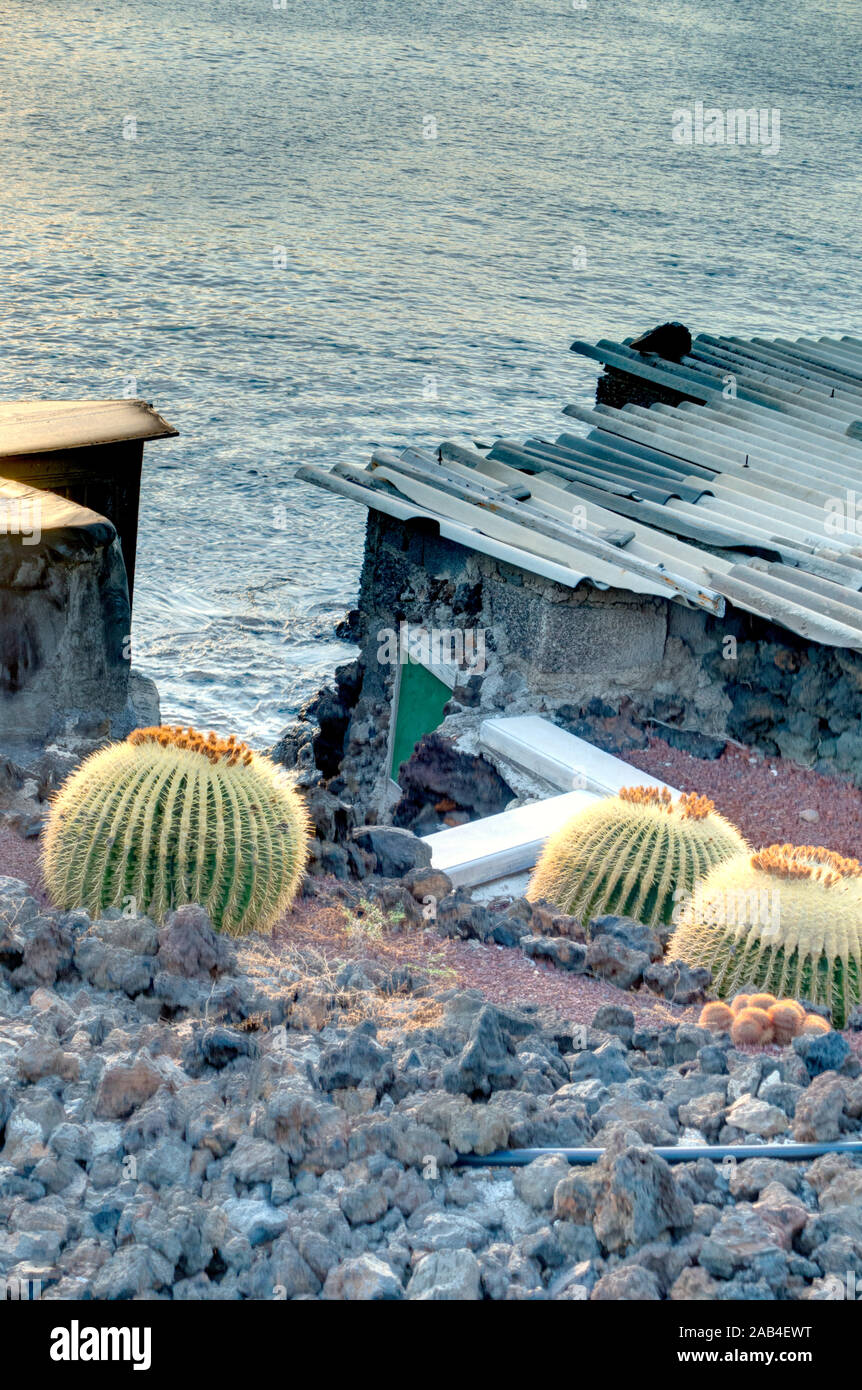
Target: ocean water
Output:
{"points": [[305, 231]]}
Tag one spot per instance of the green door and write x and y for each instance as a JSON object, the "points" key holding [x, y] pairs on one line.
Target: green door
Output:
{"points": [[421, 698]]}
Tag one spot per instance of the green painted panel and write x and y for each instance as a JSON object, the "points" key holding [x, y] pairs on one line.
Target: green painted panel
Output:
{"points": [[420, 710]]}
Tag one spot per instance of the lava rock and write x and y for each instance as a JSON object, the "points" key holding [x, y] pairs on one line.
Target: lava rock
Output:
{"points": [[819, 1109], [560, 950], [363, 1279], [637, 1199], [397, 852], [757, 1117], [446, 1276], [125, 1086], [188, 946], [357, 1061], [742, 1241], [617, 1020], [628, 1283], [610, 959], [488, 1062], [635, 935], [217, 1047], [678, 982], [821, 1052]]}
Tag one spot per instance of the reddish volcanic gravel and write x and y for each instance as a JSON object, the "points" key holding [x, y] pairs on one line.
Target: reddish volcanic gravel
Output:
{"points": [[20, 859], [505, 976], [764, 797], [508, 977]]}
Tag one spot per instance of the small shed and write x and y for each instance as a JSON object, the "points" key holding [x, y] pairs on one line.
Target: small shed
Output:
{"points": [[685, 557]]}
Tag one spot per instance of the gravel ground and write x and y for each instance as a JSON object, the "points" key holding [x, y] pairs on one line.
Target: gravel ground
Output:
{"points": [[505, 976], [763, 796], [771, 800], [20, 859]]}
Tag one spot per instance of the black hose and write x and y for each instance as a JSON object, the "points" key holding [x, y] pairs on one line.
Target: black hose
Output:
{"points": [[678, 1153]]}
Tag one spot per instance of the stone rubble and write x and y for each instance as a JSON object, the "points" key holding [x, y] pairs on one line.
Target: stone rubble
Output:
{"points": [[183, 1119]]}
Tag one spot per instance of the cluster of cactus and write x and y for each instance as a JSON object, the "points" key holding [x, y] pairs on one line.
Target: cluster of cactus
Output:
{"points": [[636, 854], [170, 817], [788, 919], [760, 1019]]}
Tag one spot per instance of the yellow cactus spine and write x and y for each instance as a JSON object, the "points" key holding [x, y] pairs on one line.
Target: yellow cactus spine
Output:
{"points": [[788, 918], [636, 854], [171, 817]]}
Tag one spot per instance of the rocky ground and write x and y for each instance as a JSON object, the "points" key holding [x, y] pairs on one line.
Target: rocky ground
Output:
{"points": [[191, 1118], [771, 800]]}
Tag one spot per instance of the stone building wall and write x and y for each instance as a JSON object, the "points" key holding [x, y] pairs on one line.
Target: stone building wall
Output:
{"points": [[65, 659], [606, 664]]}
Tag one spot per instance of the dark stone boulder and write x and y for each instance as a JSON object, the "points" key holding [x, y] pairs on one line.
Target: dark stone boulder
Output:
{"points": [[488, 1062], [359, 1060], [822, 1051], [459, 917], [217, 1047], [187, 944], [678, 982], [615, 1019], [453, 786], [634, 935], [610, 959], [559, 950], [637, 1198], [396, 851]]}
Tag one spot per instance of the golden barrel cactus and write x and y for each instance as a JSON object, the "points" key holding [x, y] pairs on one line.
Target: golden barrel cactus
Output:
{"points": [[171, 817], [636, 854], [788, 918]]}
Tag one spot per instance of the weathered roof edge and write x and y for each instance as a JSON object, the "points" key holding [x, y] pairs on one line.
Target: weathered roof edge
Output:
{"points": [[38, 427]]}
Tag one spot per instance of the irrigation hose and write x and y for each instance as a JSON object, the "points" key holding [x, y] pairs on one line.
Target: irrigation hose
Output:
{"points": [[678, 1153]]}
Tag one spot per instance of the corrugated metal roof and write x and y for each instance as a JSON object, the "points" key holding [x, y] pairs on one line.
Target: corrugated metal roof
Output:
{"points": [[38, 427], [746, 490]]}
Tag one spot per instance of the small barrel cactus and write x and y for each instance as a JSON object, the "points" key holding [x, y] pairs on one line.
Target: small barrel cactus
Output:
{"points": [[788, 918], [760, 1018], [637, 854], [716, 1016], [171, 817], [787, 1017], [813, 1024], [751, 1026]]}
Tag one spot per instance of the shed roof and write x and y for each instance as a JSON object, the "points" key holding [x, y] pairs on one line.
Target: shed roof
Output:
{"points": [[37, 427], [747, 490]]}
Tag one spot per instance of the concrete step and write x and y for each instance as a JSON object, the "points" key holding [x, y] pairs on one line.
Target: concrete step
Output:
{"points": [[496, 852], [565, 761], [502, 845]]}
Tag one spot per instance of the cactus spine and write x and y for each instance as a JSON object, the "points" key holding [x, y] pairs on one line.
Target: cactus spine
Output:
{"points": [[788, 918], [633, 854], [171, 817]]}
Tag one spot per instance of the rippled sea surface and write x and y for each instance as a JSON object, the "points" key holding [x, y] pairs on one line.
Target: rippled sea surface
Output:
{"points": [[348, 224]]}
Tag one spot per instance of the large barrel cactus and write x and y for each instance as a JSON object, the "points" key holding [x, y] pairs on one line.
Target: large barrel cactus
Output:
{"points": [[636, 854], [171, 817], [788, 919]]}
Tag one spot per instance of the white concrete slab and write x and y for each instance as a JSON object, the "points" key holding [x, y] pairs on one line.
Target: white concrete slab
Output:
{"points": [[499, 846], [567, 762], [512, 886]]}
